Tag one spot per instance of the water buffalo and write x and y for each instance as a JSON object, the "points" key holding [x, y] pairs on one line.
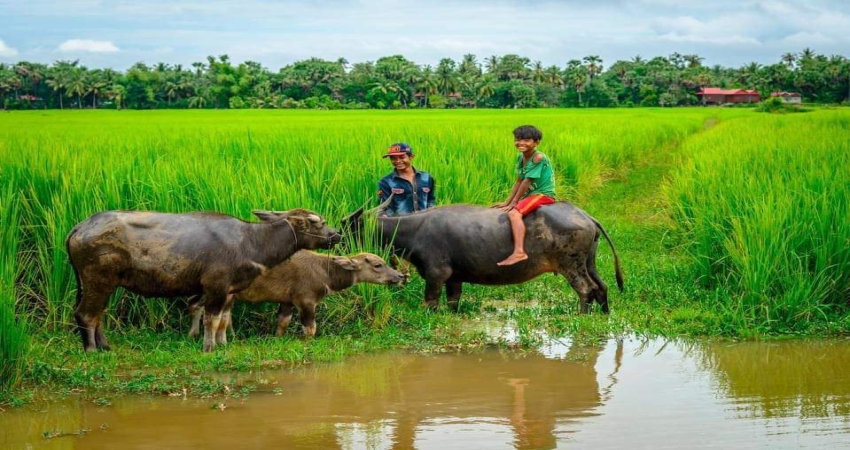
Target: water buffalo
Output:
{"points": [[459, 244], [302, 281], [167, 255]]}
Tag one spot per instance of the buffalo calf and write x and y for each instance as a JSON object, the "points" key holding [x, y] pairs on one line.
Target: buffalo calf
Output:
{"points": [[302, 281]]}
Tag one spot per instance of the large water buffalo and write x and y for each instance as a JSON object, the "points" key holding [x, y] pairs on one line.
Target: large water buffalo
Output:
{"points": [[302, 281], [167, 255], [459, 244]]}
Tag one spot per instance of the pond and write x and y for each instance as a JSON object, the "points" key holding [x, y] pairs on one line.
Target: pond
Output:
{"points": [[621, 393]]}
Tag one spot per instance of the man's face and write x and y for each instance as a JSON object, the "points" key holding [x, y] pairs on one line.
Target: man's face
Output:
{"points": [[401, 162], [525, 145]]}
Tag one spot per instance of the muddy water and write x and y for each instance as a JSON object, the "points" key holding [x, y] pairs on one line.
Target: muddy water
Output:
{"points": [[625, 394]]}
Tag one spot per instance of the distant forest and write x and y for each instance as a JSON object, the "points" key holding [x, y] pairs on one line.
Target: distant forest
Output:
{"points": [[508, 81]]}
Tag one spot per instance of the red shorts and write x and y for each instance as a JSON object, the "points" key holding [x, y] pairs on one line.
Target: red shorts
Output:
{"points": [[532, 202]]}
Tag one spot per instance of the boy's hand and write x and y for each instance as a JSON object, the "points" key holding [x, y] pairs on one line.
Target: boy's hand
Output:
{"points": [[507, 207]]}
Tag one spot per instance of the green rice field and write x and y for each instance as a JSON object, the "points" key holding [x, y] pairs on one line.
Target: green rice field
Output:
{"points": [[729, 222]]}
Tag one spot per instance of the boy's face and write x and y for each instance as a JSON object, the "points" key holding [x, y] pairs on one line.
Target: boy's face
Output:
{"points": [[525, 145], [401, 162]]}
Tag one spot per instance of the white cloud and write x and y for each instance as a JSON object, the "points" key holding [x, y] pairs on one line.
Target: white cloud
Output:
{"points": [[87, 45], [720, 40], [7, 51], [807, 39], [726, 29]]}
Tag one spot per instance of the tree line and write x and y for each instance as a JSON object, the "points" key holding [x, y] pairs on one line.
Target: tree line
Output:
{"points": [[509, 81]]}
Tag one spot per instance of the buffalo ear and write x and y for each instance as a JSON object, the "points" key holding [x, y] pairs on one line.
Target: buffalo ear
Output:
{"points": [[268, 216], [299, 223], [345, 263]]}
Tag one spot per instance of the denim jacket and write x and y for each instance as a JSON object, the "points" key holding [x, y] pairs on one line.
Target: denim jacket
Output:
{"points": [[408, 198]]}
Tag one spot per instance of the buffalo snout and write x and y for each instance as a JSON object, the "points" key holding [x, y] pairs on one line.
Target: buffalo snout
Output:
{"points": [[333, 238], [398, 279]]}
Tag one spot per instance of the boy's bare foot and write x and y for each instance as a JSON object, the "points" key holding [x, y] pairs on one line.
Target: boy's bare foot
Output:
{"points": [[513, 259]]}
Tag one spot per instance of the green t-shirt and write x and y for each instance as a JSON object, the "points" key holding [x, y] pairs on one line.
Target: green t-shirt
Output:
{"points": [[543, 178]]}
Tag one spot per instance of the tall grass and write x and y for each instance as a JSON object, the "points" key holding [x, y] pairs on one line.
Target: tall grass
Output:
{"points": [[13, 336], [765, 207], [69, 165]]}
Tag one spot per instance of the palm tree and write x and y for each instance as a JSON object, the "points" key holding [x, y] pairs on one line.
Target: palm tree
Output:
{"points": [[446, 79], [197, 101], [594, 65], [693, 61], [807, 54], [492, 64], [77, 85], [171, 90], [469, 65], [555, 77], [484, 88], [538, 74], [96, 86], [749, 73], [57, 84], [789, 59], [116, 93], [385, 87], [677, 60], [199, 68], [577, 76], [426, 84]]}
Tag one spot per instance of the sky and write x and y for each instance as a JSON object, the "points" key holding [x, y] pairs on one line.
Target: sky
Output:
{"points": [[117, 34]]}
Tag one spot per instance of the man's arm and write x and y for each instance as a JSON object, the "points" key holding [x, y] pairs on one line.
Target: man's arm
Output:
{"points": [[384, 190]]}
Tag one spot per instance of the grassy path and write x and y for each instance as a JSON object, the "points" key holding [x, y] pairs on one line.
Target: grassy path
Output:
{"points": [[657, 300]]}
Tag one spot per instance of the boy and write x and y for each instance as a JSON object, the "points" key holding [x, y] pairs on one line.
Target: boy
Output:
{"points": [[534, 187], [413, 189]]}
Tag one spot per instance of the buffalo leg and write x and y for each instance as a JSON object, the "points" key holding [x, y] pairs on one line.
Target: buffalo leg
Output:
{"points": [[434, 280], [221, 331], [196, 310], [432, 293], [216, 298], [307, 314], [99, 337], [284, 316], [580, 280], [600, 294], [91, 304], [453, 291]]}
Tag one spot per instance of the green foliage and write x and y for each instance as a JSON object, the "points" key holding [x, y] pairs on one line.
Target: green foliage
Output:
{"points": [[13, 327], [765, 217], [393, 82], [775, 105]]}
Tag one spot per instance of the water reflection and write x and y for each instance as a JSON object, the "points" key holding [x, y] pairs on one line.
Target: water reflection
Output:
{"points": [[630, 393], [775, 380]]}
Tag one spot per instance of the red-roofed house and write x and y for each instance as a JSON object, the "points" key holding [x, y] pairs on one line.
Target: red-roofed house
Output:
{"points": [[788, 97], [720, 96]]}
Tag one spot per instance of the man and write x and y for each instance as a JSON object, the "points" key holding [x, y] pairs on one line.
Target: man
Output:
{"points": [[412, 190]]}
